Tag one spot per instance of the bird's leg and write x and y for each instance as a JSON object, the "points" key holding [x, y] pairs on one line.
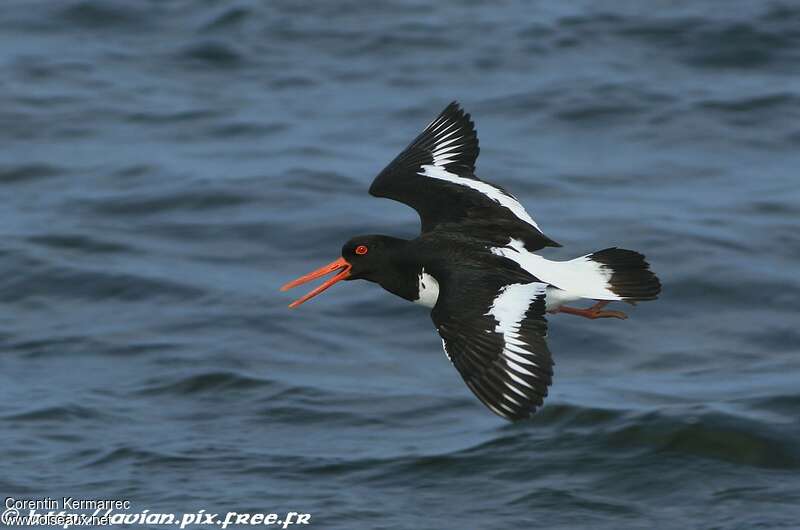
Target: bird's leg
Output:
{"points": [[592, 312]]}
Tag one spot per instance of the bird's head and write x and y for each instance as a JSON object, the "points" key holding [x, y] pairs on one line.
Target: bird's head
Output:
{"points": [[363, 258]]}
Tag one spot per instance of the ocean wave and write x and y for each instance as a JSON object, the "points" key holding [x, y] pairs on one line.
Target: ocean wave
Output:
{"points": [[28, 172], [171, 117], [211, 382], [138, 456], [709, 435], [744, 42], [102, 15], [58, 413], [211, 54], [79, 242], [230, 18], [33, 278], [151, 204]]}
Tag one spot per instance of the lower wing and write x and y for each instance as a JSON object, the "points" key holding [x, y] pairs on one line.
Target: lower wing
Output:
{"points": [[493, 331]]}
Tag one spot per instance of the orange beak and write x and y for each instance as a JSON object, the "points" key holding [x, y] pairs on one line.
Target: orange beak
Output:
{"points": [[339, 265]]}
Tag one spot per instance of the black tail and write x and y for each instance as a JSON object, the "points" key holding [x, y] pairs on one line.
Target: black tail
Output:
{"points": [[631, 276]]}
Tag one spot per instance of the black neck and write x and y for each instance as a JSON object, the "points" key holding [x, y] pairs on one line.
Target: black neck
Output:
{"points": [[398, 272], [402, 280]]}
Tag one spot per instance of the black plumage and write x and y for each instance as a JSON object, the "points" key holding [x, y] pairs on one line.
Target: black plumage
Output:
{"points": [[472, 264]]}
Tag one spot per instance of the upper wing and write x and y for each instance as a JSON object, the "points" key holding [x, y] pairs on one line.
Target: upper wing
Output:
{"points": [[494, 334], [435, 175]]}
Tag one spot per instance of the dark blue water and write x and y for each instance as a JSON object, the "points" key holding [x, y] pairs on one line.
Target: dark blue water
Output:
{"points": [[166, 166]]}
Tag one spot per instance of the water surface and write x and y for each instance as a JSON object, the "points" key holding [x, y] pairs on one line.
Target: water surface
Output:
{"points": [[166, 166]]}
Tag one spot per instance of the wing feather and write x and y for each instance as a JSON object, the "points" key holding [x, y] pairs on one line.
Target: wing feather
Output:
{"points": [[435, 175], [495, 337]]}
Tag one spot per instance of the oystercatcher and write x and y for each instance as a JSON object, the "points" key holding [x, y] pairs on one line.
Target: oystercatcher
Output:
{"points": [[474, 265]]}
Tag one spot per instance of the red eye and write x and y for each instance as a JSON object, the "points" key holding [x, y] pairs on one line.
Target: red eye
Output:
{"points": [[361, 250]]}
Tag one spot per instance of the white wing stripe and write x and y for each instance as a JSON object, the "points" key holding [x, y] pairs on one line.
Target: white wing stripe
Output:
{"points": [[506, 407], [518, 358], [512, 400], [510, 306], [509, 309], [488, 190], [441, 145], [446, 133], [448, 150], [438, 157], [442, 128], [520, 370], [516, 344], [515, 389], [443, 158], [432, 126], [438, 122], [518, 379], [444, 347], [512, 342], [581, 277], [445, 128]]}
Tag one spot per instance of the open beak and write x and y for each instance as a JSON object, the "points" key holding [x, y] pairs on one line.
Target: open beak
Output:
{"points": [[339, 265]]}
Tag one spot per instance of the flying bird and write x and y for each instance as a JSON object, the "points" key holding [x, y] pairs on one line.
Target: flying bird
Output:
{"points": [[474, 265]]}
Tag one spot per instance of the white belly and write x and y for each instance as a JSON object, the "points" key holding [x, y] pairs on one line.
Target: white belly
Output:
{"points": [[555, 298], [580, 275], [429, 293], [428, 290]]}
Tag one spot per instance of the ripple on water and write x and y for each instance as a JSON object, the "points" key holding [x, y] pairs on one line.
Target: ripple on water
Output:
{"points": [[169, 164], [28, 172], [53, 281], [152, 205], [103, 15], [709, 435], [58, 413], [141, 457], [208, 383], [80, 243], [210, 54]]}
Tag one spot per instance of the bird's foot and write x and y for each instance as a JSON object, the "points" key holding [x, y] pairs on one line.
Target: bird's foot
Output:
{"points": [[592, 312]]}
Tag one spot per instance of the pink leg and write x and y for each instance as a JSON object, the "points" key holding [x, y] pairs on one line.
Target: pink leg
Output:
{"points": [[592, 312]]}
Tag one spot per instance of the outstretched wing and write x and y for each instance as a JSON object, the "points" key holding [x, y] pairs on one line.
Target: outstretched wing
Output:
{"points": [[494, 333], [435, 175]]}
